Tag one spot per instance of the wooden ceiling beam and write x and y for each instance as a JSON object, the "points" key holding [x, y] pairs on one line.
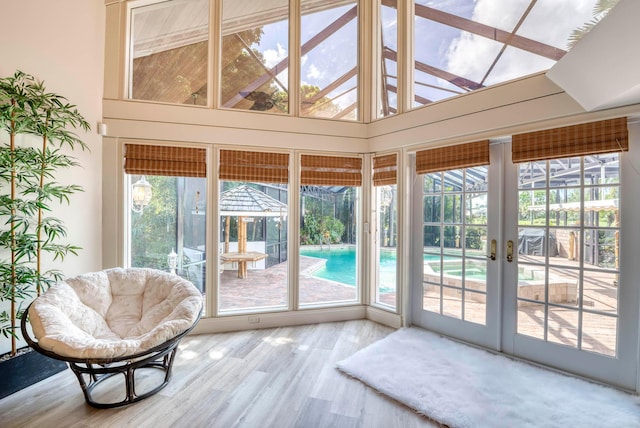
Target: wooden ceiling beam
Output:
{"points": [[456, 80]]}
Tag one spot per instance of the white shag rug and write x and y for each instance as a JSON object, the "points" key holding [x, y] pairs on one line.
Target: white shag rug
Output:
{"points": [[462, 386]]}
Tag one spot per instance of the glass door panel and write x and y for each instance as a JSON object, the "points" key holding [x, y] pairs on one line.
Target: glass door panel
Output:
{"points": [[456, 240], [567, 250], [563, 300]]}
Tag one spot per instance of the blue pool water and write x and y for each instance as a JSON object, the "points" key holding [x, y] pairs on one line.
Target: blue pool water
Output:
{"points": [[340, 266]]}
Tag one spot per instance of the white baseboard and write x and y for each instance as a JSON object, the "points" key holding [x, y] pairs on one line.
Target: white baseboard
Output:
{"points": [[279, 319]]}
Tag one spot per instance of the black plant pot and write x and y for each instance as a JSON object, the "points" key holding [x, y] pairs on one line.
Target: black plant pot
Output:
{"points": [[26, 369]]}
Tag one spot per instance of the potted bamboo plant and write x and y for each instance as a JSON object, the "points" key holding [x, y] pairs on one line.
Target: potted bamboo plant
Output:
{"points": [[36, 137]]}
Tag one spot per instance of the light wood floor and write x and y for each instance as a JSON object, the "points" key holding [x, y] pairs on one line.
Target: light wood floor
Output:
{"points": [[284, 377]]}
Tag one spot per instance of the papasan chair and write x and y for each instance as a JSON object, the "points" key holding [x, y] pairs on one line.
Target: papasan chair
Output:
{"points": [[114, 322]]}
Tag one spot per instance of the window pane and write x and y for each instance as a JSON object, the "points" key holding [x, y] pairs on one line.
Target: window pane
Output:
{"points": [[387, 244], [329, 61], [532, 208], [388, 103], [455, 245], [476, 208], [169, 233], [253, 250], [452, 208], [531, 319], [580, 244], [599, 333], [474, 307], [564, 172], [452, 302], [169, 52], [328, 245], [532, 175], [255, 56], [562, 326]]}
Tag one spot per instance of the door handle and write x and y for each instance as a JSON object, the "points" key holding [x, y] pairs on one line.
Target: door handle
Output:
{"points": [[494, 247], [509, 251]]}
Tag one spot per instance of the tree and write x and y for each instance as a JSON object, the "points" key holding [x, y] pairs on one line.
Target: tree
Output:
{"points": [[600, 10], [153, 232]]}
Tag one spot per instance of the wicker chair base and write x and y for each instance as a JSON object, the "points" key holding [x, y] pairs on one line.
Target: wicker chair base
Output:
{"points": [[92, 372]]}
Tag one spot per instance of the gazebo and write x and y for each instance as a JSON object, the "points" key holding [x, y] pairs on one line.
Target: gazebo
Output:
{"points": [[246, 202]]}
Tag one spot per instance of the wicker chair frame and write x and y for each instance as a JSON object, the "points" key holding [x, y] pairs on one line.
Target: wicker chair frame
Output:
{"points": [[91, 372]]}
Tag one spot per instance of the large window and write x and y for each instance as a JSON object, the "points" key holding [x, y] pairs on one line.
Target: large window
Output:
{"points": [[329, 256], [452, 48], [255, 55], [386, 196], [167, 207], [388, 60], [169, 51], [329, 60], [253, 255]]}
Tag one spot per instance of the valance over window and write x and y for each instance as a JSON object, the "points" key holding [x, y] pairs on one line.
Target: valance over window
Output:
{"points": [[605, 136], [452, 157], [331, 171], [385, 170], [171, 161], [262, 167]]}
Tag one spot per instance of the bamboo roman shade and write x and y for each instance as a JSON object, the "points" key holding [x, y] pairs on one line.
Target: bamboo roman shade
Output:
{"points": [[165, 160], [579, 140], [330, 171], [452, 157], [385, 170], [262, 167]]}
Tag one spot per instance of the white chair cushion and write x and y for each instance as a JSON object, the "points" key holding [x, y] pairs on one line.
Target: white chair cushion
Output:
{"points": [[113, 313]]}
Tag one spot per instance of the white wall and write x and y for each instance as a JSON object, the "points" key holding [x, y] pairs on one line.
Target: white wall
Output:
{"points": [[62, 43]]}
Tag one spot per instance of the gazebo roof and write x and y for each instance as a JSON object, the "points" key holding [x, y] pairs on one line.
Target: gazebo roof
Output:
{"points": [[248, 201]]}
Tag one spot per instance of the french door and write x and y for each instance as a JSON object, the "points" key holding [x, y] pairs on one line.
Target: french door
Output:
{"points": [[527, 259]]}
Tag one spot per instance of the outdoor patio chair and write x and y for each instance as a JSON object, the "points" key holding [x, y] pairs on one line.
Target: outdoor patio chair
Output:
{"points": [[114, 322]]}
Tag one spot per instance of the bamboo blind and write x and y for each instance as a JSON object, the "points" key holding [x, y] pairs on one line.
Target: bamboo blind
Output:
{"points": [[165, 160], [579, 140], [262, 167], [330, 171], [385, 170], [452, 157]]}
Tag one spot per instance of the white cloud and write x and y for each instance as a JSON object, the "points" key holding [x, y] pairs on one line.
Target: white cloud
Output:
{"points": [[273, 56], [314, 73]]}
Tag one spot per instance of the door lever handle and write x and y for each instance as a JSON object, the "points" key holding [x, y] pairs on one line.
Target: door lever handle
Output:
{"points": [[509, 251], [494, 247]]}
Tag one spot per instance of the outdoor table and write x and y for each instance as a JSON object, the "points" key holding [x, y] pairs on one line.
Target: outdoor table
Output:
{"points": [[242, 259]]}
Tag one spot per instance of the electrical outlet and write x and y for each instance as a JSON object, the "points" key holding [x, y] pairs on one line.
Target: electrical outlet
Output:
{"points": [[254, 319]]}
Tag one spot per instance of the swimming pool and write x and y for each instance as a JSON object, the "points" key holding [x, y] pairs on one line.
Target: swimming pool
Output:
{"points": [[340, 266]]}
